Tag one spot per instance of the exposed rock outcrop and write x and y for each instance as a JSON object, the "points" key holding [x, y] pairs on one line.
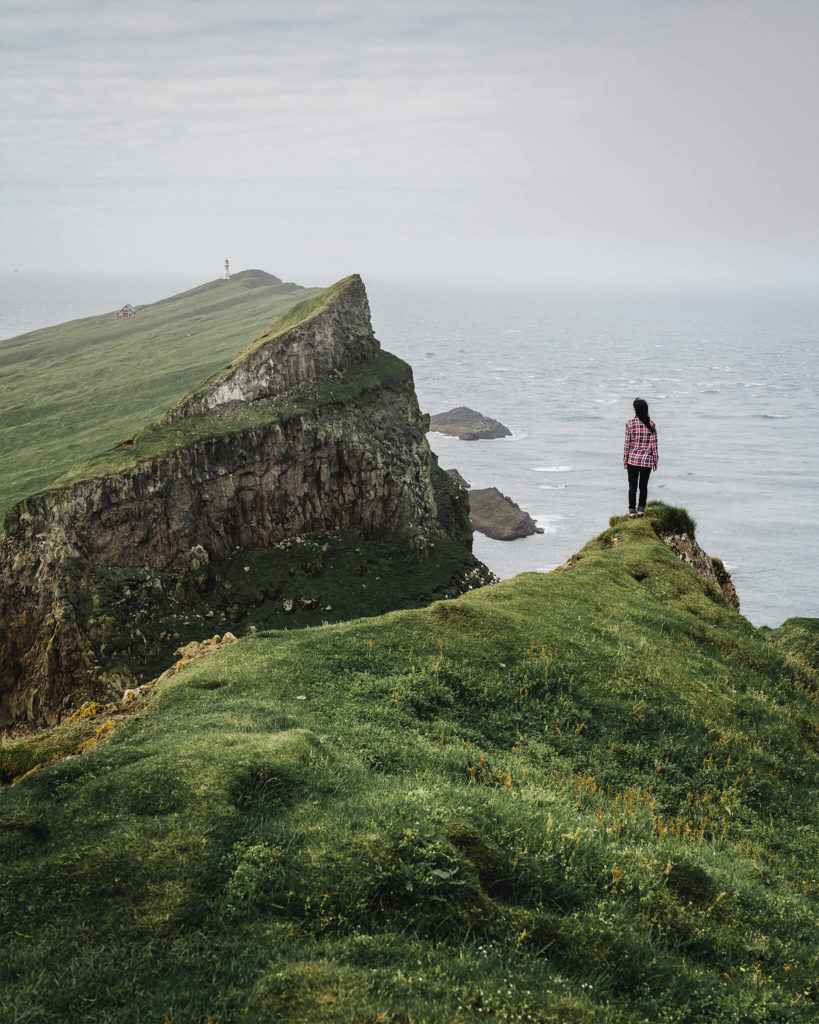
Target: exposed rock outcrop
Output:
{"points": [[689, 551], [294, 351], [313, 429], [498, 517], [459, 480], [467, 424]]}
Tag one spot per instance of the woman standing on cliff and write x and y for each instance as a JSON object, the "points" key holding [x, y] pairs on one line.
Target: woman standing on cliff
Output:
{"points": [[639, 456]]}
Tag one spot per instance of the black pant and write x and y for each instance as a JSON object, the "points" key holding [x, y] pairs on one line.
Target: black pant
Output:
{"points": [[635, 474]]}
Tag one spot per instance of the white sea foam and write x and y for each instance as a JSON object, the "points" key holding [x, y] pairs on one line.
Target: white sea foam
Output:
{"points": [[552, 487], [547, 523], [552, 469]]}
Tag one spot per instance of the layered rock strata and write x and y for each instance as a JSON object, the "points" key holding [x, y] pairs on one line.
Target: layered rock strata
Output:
{"points": [[312, 429]]}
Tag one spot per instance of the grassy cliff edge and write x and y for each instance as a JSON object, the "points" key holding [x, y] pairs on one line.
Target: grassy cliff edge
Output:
{"points": [[68, 391], [583, 795]]}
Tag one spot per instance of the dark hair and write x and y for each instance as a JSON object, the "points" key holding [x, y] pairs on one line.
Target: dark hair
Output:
{"points": [[641, 409]]}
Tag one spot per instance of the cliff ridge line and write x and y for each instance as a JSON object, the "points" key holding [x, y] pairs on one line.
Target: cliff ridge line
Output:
{"points": [[317, 338]]}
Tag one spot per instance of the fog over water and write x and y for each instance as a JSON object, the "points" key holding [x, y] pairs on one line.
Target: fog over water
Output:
{"points": [[731, 378]]}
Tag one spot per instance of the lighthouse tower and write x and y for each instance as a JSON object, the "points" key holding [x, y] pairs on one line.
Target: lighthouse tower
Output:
{"points": [[226, 275]]}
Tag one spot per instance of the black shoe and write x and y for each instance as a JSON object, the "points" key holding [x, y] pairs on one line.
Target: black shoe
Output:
{"points": [[632, 515], [640, 513]]}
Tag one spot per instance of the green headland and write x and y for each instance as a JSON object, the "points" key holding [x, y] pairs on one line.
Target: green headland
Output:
{"points": [[292, 487], [71, 391]]}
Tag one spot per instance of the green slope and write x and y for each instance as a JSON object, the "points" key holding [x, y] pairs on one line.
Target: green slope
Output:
{"points": [[157, 439], [588, 795], [70, 391]]}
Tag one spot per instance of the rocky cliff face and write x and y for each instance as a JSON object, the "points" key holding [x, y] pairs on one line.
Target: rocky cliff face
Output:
{"points": [[336, 333], [362, 467], [312, 430], [689, 551]]}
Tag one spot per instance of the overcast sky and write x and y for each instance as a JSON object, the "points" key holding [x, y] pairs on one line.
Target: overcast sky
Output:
{"points": [[604, 140]]}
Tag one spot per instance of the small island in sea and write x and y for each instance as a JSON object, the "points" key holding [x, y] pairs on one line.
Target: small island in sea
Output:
{"points": [[498, 517], [495, 515], [467, 425]]}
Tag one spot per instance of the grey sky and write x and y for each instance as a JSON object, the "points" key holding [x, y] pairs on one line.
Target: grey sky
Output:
{"points": [[626, 139]]}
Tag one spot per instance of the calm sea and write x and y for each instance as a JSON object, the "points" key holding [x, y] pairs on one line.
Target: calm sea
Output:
{"points": [[730, 378]]}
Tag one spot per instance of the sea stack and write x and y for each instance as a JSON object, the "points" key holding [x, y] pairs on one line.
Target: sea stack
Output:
{"points": [[498, 517]]}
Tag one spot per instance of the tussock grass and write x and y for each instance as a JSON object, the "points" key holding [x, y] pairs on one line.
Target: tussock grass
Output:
{"points": [[666, 519], [579, 796]]}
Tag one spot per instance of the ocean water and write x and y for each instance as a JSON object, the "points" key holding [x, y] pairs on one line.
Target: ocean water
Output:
{"points": [[731, 381], [730, 377]]}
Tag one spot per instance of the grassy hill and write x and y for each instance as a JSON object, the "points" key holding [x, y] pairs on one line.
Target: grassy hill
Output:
{"points": [[70, 391], [588, 795]]}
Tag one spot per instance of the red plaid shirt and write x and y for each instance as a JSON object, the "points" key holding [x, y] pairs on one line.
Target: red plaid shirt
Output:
{"points": [[640, 448]]}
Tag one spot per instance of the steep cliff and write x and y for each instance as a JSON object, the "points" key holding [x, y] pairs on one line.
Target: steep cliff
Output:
{"points": [[313, 430], [68, 390]]}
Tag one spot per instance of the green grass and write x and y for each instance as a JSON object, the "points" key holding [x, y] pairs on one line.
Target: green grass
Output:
{"points": [[383, 372], [669, 519], [68, 391], [135, 618], [588, 795]]}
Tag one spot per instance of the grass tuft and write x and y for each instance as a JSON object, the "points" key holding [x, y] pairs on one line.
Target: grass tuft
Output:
{"points": [[670, 519]]}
